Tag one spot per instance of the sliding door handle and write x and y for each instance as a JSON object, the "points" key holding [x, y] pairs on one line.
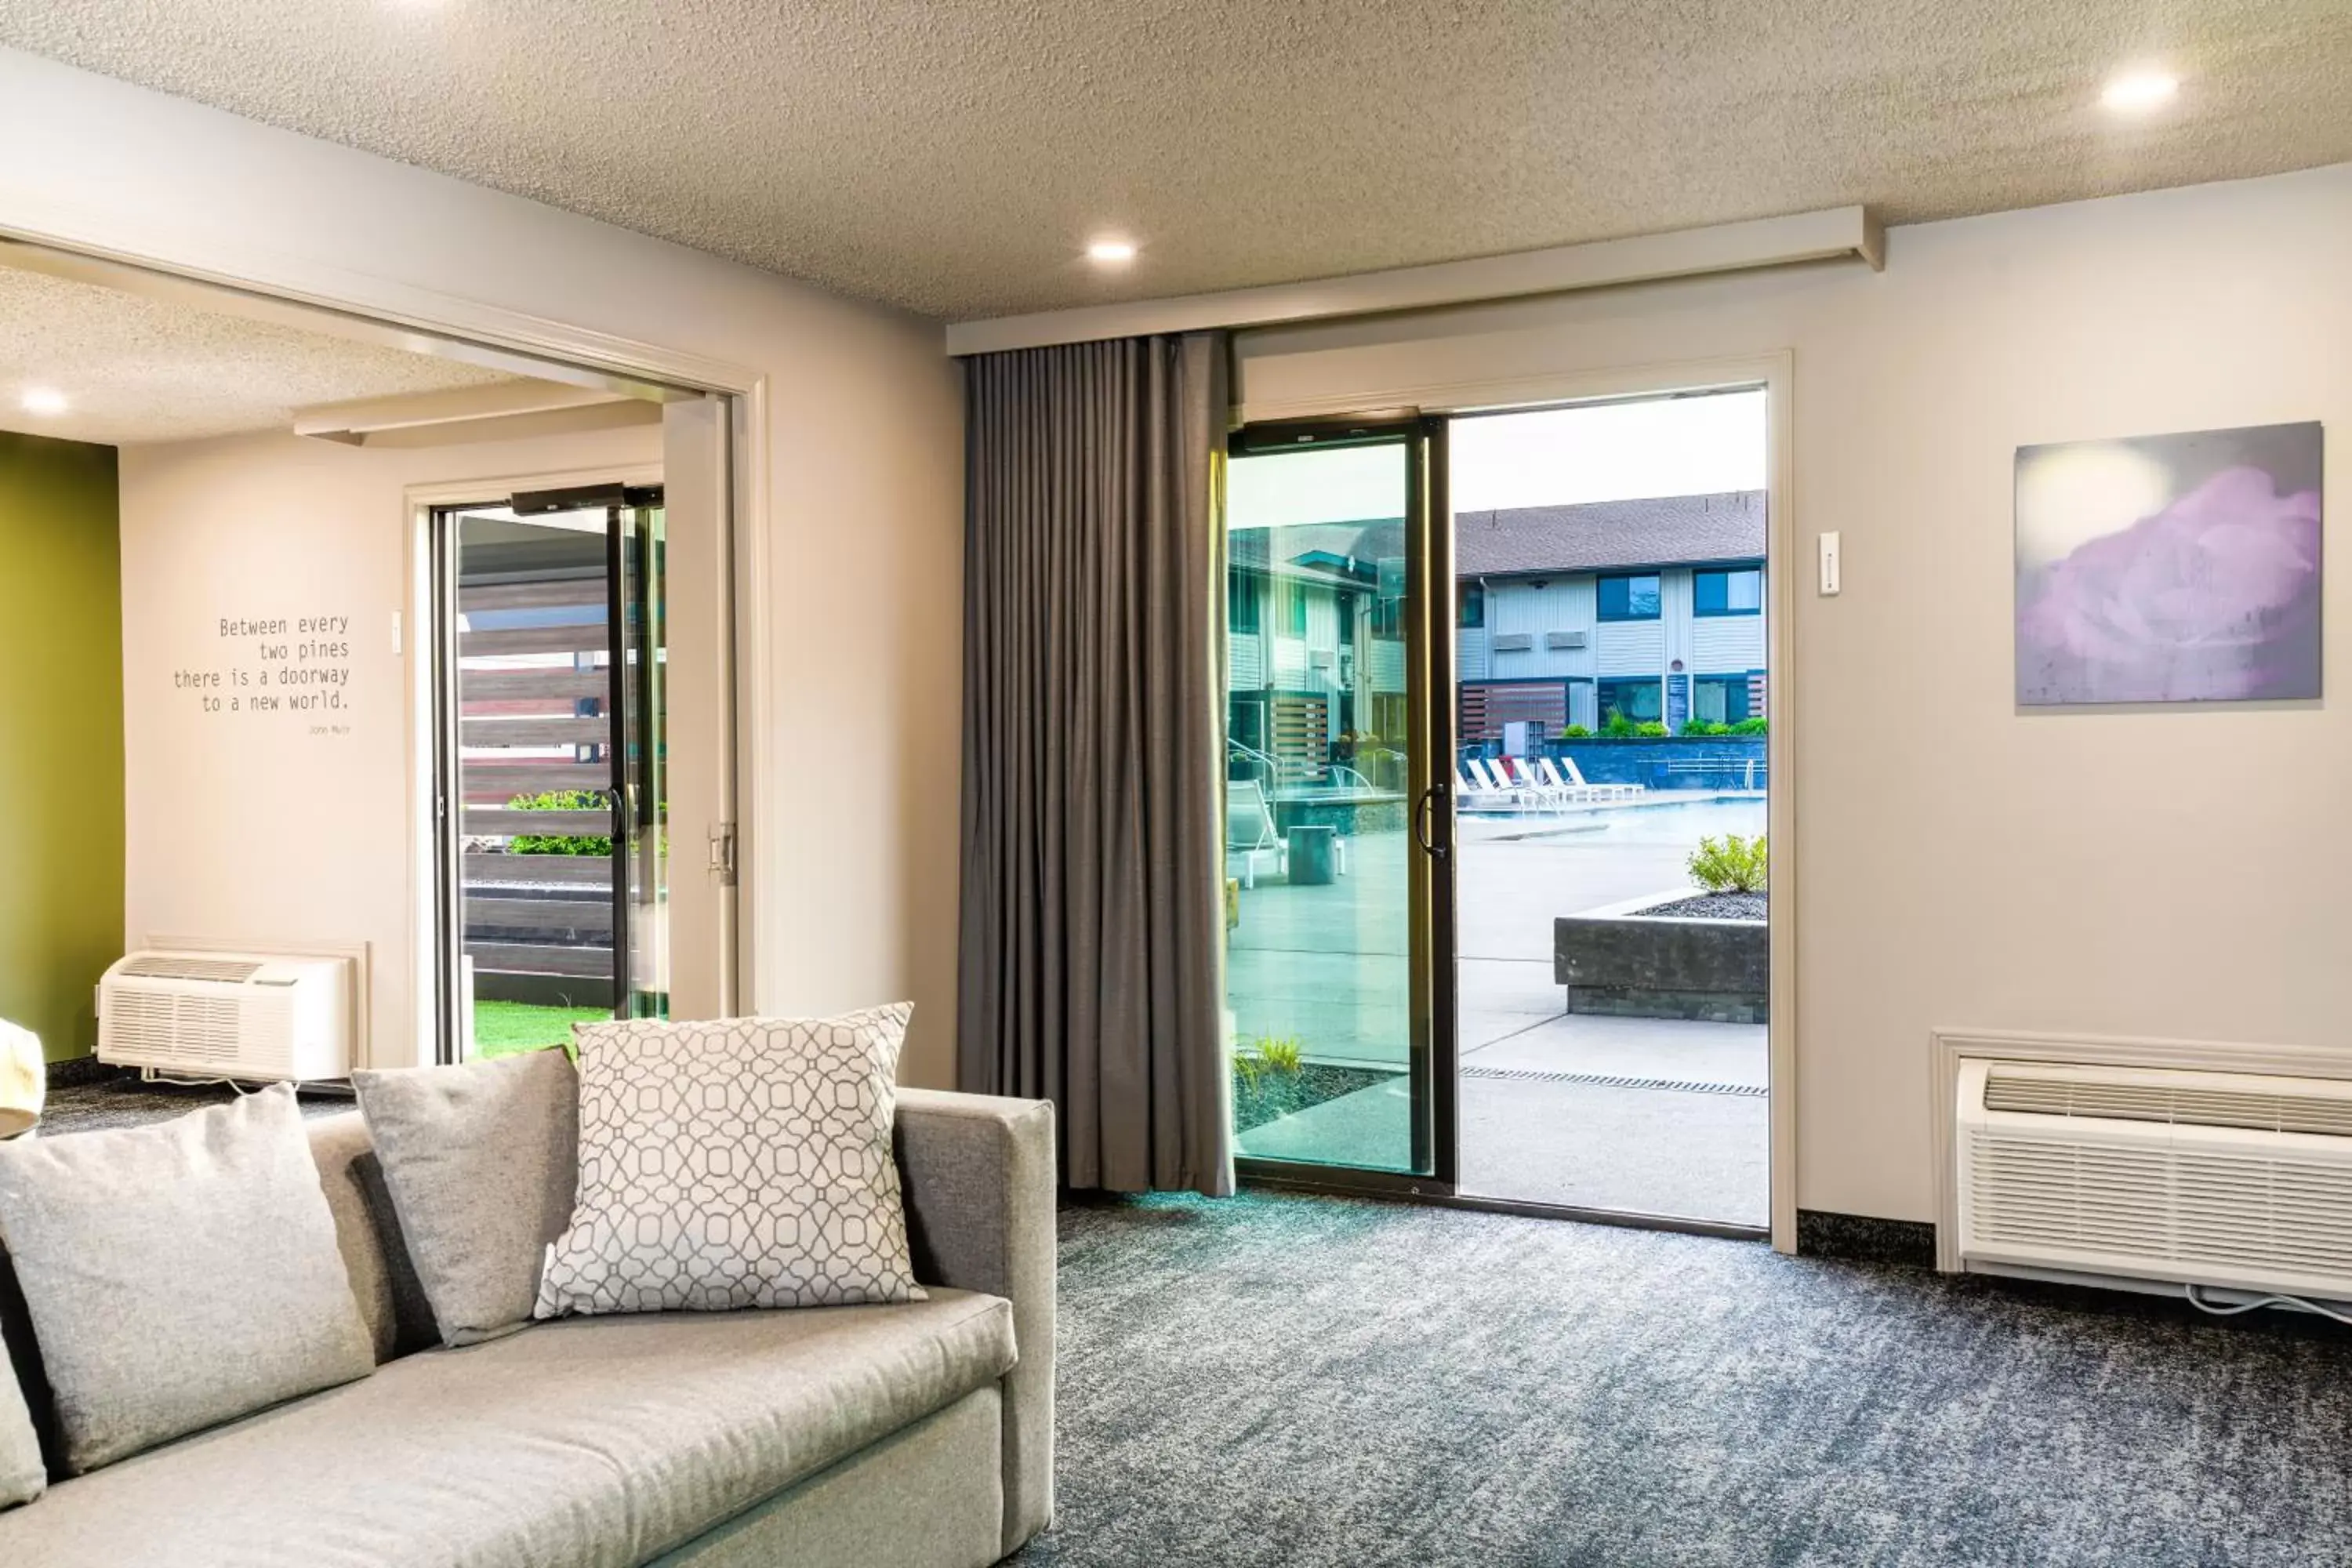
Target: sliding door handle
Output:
{"points": [[1433, 795]]}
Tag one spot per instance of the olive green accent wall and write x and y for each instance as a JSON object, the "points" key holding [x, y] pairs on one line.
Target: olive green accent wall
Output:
{"points": [[60, 736]]}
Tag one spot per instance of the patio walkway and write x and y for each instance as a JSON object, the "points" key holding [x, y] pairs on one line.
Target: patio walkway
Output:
{"points": [[1537, 1127], [1326, 965]]}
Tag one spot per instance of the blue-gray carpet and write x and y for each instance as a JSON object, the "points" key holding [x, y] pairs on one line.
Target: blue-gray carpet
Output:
{"points": [[1303, 1381], [119, 1099]]}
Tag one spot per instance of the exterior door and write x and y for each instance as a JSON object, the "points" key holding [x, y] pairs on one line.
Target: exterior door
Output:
{"points": [[1337, 895], [551, 766]]}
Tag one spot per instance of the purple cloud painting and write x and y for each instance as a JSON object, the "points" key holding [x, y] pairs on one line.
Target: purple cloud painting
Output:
{"points": [[2169, 568]]}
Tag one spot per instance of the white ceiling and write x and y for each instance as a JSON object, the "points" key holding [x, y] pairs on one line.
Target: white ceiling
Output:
{"points": [[951, 158], [135, 369]]}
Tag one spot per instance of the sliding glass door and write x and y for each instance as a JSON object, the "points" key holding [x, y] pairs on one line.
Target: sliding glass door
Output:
{"points": [[1333, 899], [551, 710]]}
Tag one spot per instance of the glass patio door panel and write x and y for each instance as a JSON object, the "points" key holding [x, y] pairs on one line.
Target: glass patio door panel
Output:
{"points": [[552, 695], [528, 685], [1327, 904], [641, 759]]}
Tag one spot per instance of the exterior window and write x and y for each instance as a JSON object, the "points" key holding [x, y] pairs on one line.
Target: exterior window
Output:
{"points": [[1241, 603], [1293, 608], [1719, 698], [1245, 723], [1640, 701], [1388, 616], [1632, 598], [1470, 611], [1738, 590]]}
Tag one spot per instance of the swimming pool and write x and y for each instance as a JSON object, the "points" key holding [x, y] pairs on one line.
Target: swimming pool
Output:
{"points": [[1685, 820]]}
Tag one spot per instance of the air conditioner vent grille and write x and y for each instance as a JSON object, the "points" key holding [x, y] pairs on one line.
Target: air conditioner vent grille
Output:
{"points": [[2179, 1104], [2225, 1211], [181, 966], [197, 1029]]}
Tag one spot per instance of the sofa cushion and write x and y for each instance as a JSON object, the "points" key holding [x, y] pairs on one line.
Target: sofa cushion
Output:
{"points": [[735, 1162], [593, 1443], [384, 1280], [22, 1474], [178, 1275], [481, 1161]]}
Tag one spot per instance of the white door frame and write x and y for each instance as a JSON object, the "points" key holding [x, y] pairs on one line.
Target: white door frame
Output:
{"points": [[227, 272], [1775, 372], [424, 847]]}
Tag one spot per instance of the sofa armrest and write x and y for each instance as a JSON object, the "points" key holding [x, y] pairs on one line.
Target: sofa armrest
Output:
{"points": [[981, 1192]]}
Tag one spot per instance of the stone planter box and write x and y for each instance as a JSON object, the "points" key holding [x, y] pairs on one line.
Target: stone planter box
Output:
{"points": [[1620, 961]]}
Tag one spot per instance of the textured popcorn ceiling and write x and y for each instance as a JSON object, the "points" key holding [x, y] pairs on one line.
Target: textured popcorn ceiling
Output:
{"points": [[952, 157], [136, 369]]}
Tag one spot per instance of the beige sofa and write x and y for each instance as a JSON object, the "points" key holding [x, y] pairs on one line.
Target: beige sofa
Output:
{"points": [[905, 1435]]}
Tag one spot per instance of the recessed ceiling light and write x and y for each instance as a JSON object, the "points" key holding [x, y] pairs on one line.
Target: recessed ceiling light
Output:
{"points": [[2135, 92], [1110, 252], [45, 400]]}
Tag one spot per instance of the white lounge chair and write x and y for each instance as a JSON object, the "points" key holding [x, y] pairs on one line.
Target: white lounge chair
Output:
{"points": [[1574, 790], [1549, 793], [1250, 835], [1568, 774], [1249, 832], [1472, 791], [1500, 782]]}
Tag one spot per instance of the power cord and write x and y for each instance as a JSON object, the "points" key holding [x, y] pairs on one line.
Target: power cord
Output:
{"points": [[2202, 1305]]}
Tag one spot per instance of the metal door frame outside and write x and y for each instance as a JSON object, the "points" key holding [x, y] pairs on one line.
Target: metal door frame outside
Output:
{"points": [[620, 504], [1430, 1051]]}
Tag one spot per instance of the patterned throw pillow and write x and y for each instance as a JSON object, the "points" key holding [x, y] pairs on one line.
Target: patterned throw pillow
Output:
{"points": [[737, 1162]]}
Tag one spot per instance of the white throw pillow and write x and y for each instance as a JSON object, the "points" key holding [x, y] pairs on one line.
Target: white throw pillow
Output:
{"points": [[179, 1275], [735, 1162]]}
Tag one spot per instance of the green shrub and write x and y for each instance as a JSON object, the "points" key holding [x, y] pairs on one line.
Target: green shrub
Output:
{"points": [[1617, 727], [1729, 864], [1749, 726], [1266, 1058], [1649, 730], [1701, 728], [1575, 733], [561, 843]]}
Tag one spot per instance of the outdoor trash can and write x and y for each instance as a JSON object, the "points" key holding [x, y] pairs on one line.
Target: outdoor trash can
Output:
{"points": [[1311, 854]]}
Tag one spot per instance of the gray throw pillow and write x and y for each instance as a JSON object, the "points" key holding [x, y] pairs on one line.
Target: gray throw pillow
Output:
{"points": [[179, 1275], [739, 1162], [22, 1476], [481, 1162]]}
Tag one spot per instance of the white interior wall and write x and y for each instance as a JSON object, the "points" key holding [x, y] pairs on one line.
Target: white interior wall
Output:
{"points": [[853, 868], [2154, 872], [273, 825]]}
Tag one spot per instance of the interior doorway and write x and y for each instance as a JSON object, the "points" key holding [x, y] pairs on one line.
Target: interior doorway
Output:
{"points": [[551, 765]]}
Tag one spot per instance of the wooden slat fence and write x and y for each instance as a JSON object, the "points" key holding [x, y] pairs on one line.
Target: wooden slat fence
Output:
{"points": [[535, 915]]}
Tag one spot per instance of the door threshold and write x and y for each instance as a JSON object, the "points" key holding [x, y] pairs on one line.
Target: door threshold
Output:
{"points": [[1388, 1187]]}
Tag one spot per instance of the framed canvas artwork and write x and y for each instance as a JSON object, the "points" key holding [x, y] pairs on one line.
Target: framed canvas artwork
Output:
{"points": [[2181, 568]]}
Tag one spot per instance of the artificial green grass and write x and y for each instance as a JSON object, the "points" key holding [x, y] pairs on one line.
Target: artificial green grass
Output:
{"points": [[509, 1028]]}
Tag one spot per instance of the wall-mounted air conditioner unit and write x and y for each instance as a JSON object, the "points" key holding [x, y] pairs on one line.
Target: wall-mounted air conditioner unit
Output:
{"points": [[1564, 640], [227, 1014], [1512, 642], [2188, 1178]]}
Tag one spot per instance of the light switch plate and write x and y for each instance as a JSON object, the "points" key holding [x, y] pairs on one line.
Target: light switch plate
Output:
{"points": [[1832, 565]]}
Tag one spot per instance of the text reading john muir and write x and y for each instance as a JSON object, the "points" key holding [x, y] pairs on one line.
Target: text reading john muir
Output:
{"points": [[298, 665]]}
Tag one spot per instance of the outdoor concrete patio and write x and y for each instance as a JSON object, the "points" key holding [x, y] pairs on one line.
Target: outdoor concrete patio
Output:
{"points": [[1649, 1116]]}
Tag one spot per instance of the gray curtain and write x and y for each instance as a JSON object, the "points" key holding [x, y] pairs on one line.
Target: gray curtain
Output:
{"points": [[1092, 884]]}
